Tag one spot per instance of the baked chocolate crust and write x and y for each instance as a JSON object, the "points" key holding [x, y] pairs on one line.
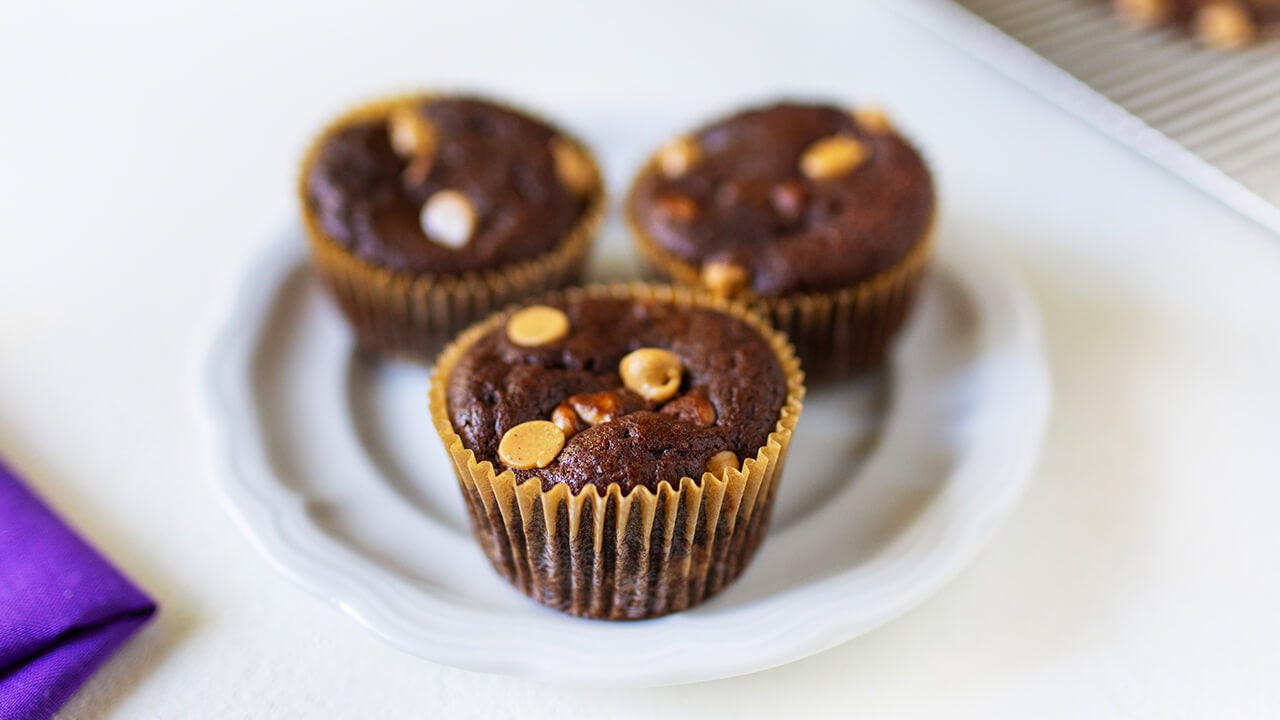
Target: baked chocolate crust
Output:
{"points": [[498, 385], [747, 202], [501, 161]]}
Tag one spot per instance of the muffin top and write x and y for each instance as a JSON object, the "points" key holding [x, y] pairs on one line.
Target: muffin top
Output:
{"points": [[792, 197], [1224, 24], [599, 391], [447, 185]]}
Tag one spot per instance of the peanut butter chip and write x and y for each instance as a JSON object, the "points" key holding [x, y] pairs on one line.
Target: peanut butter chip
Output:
{"points": [[679, 156], [574, 169], [873, 120], [533, 444], [448, 218], [832, 157], [537, 325], [1224, 24], [1144, 13], [724, 278], [410, 133], [652, 373], [722, 461]]}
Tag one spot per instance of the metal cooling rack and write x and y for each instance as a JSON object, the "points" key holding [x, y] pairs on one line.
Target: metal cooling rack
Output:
{"points": [[1211, 117]]}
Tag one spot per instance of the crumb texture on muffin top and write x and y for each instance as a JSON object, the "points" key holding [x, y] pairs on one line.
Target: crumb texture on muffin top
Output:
{"points": [[791, 197], [447, 185], [630, 392]]}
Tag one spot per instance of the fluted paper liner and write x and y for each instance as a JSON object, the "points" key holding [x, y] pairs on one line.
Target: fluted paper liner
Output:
{"points": [[612, 556], [412, 314], [836, 332]]}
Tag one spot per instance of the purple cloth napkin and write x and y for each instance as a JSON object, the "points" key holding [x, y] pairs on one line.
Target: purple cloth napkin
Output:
{"points": [[63, 608]]}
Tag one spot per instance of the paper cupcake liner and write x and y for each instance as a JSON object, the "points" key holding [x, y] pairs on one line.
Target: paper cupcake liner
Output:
{"points": [[413, 314], [606, 555], [836, 332]]}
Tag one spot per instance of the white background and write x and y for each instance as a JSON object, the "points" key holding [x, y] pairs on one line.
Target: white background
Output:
{"points": [[147, 150]]}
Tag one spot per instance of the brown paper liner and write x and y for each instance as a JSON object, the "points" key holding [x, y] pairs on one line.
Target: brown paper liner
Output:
{"points": [[611, 556], [836, 332], [412, 314]]}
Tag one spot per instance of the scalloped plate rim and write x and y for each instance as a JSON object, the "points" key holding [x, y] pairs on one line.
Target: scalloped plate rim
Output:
{"points": [[266, 512]]}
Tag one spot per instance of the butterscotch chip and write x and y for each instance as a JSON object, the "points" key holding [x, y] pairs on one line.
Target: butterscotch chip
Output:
{"points": [[411, 134], [724, 278], [448, 218], [537, 325], [596, 408], [677, 207], [1144, 13], [678, 156], [832, 157], [566, 418], [1225, 25], [652, 373], [574, 169], [533, 444], [722, 461], [873, 120]]}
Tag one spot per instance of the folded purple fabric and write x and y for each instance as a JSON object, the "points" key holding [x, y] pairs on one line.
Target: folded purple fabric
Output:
{"points": [[63, 608]]}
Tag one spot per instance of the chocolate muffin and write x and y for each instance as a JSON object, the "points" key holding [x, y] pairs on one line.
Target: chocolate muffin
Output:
{"points": [[619, 447], [818, 215], [424, 213], [1221, 24]]}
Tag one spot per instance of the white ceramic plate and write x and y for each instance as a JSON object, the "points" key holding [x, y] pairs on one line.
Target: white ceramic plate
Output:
{"points": [[893, 482]]}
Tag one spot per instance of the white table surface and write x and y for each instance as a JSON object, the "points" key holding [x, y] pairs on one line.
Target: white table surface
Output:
{"points": [[147, 150]]}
